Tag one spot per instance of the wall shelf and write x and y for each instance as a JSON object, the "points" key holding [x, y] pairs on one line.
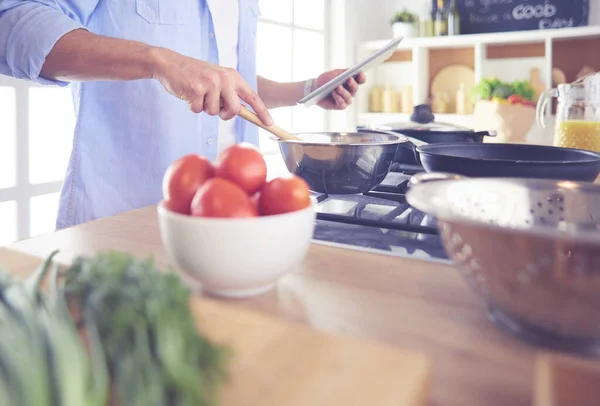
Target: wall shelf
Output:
{"points": [[508, 56]]}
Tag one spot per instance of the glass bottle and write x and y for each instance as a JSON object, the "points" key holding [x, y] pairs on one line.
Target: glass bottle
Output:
{"points": [[440, 23], [426, 21], [577, 114], [453, 19]]}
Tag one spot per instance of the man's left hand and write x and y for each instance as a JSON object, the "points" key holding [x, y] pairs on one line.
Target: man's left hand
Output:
{"points": [[342, 96]]}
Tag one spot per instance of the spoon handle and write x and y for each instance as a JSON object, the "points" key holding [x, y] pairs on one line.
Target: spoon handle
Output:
{"points": [[273, 129]]}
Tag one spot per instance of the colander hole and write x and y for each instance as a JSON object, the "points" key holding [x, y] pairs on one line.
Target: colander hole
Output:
{"points": [[549, 199], [550, 211], [561, 219], [543, 219], [527, 222], [531, 211], [561, 208], [539, 204]]}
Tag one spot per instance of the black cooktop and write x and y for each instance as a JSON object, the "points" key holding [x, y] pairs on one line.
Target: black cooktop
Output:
{"points": [[380, 221]]}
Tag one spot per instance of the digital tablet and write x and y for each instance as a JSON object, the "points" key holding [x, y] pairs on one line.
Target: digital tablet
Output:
{"points": [[325, 90]]}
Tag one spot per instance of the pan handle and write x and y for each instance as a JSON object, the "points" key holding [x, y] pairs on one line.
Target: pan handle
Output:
{"points": [[427, 177], [485, 133]]}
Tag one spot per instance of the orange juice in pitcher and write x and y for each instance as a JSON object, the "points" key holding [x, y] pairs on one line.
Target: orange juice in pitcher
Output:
{"points": [[577, 113], [577, 134]]}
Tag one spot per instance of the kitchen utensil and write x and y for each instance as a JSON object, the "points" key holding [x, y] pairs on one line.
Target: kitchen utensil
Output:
{"points": [[564, 380], [277, 363], [358, 163], [448, 79], [529, 247], [423, 127], [577, 115], [273, 129], [336, 163], [236, 257], [536, 82], [510, 160]]}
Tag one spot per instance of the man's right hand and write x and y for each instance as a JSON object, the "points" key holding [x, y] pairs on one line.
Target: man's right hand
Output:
{"points": [[206, 87]]}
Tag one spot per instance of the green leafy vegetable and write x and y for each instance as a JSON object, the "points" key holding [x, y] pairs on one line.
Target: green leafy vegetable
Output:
{"points": [[147, 330], [489, 88], [43, 361]]}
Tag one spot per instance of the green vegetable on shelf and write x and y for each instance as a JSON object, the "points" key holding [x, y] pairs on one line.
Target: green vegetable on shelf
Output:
{"points": [[492, 88]]}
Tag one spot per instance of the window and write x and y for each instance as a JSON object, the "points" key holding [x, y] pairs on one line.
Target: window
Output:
{"points": [[291, 47], [36, 132]]}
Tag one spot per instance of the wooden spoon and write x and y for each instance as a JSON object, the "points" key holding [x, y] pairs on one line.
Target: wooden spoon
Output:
{"points": [[273, 129], [323, 152]]}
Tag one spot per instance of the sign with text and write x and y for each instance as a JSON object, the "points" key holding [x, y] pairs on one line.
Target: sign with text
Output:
{"points": [[485, 16]]}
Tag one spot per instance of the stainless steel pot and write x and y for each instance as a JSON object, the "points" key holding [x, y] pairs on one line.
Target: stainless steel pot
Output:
{"points": [[423, 127], [529, 247], [341, 163]]}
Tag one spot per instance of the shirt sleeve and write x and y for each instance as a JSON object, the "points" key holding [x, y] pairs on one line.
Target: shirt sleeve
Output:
{"points": [[29, 30]]}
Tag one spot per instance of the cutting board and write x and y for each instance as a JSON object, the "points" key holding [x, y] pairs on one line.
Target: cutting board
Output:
{"points": [[562, 380], [448, 80], [278, 363]]}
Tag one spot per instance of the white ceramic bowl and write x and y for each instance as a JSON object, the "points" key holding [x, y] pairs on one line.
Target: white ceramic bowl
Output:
{"points": [[236, 258]]}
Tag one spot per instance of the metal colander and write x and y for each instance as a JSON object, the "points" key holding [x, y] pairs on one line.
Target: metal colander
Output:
{"points": [[529, 247]]}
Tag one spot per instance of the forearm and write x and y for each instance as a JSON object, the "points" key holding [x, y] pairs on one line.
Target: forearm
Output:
{"points": [[83, 56], [276, 94]]}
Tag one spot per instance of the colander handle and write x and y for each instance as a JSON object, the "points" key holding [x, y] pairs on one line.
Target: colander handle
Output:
{"points": [[540, 108], [427, 177]]}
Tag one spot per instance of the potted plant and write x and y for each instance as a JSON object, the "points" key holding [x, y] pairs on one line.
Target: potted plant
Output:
{"points": [[403, 24]]}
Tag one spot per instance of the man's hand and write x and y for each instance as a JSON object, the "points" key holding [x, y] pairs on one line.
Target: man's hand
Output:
{"points": [[206, 87], [342, 96]]}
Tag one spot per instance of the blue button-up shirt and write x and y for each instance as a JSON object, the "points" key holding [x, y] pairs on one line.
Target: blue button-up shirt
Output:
{"points": [[127, 133]]}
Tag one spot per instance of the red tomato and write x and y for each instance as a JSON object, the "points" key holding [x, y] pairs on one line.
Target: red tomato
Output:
{"points": [[222, 198], [182, 180], [244, 165], [284, 195]]}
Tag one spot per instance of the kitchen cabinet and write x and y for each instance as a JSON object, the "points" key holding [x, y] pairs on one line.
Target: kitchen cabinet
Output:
{"points": [[508, 56]]}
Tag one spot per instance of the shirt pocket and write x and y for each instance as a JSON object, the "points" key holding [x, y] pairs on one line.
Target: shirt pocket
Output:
{"points": [[163, 12]]}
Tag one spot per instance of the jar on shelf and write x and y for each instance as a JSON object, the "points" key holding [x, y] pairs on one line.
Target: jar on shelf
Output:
{"points": [[375, 99], [390, 100], [577, 114]]}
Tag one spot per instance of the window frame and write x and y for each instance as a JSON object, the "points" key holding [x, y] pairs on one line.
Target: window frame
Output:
{"points": [[328, 62], [24, 190]]}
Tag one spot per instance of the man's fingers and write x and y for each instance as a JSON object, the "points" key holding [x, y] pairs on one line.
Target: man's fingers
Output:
{"points": [[251, 97], [197, 103], [361, 78], [231, 104], [345, 94], [212, 104], [339, 101], [352, 86]]}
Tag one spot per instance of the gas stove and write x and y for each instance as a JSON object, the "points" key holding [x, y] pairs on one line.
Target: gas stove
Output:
{"points": [[379, 221]]}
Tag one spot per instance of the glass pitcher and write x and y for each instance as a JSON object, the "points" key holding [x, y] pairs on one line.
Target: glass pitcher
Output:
{"points": [[577, 115]]}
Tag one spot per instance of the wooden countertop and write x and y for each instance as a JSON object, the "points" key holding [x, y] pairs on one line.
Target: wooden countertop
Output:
{"points": [[406, 303]]}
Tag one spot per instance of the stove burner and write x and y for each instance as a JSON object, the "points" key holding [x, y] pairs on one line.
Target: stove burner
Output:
{"points": [[380, 219]]}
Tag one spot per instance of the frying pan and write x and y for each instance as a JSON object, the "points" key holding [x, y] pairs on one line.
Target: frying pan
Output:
{"points": [[335, 163], [510, 161]]}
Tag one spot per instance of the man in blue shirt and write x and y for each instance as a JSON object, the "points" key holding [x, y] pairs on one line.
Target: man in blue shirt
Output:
{"points": [[141, 71]]}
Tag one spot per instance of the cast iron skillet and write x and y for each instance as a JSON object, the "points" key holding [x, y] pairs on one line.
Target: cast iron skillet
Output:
{"points": [[510, 160]]}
